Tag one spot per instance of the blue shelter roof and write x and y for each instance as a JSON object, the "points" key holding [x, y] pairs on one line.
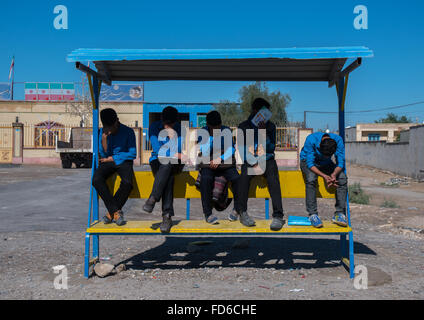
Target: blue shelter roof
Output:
{"points": [[274, 64]]}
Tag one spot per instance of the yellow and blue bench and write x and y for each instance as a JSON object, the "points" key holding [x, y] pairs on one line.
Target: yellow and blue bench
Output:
{"points": [[292, 186]]}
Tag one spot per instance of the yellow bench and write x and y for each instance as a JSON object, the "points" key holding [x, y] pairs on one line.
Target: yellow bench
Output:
{"points": [[292, 186]]}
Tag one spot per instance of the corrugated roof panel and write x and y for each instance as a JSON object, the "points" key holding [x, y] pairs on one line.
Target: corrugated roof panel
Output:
{"points": [[293, 64]]}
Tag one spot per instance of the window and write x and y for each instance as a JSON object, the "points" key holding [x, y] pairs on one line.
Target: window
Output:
{"points": [[45, 134], [374, 137]]}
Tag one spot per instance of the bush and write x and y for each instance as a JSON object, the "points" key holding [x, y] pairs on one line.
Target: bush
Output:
{"points": [[357, 195], [389, 204]]}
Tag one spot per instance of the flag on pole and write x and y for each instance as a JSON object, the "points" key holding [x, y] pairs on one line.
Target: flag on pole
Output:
{"points": [[12, 65], [30, 91]]}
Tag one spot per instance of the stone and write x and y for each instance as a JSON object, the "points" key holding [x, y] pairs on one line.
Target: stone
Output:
{"points": [[103, 269], [120, 268]]}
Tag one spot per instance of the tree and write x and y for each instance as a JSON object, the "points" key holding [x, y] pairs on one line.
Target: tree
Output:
{"points": [[393, 118], [232, 113]]}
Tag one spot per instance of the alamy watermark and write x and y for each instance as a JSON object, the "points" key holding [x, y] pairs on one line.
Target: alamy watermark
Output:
{"points": [[360, 282], [247, 149], [61, 280], [61, 20], [361, 20]]}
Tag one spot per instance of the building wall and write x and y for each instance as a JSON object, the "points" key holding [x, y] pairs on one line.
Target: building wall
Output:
{"points": [[387, 131], [32, 113], [404, 158]]}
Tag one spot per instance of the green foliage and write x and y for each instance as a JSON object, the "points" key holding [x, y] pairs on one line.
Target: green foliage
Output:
{"points": [[389, 204], [393, 118], [232, 113], [357, 195]]}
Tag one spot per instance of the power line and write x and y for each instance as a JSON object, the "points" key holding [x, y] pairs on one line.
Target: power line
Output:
{"points": [[370, 110]]}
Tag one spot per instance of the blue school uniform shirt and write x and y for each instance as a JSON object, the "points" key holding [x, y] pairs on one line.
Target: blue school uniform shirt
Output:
{"points": [[207, 147], [312, 155], [269, 142], [154, 129], [120, 146]]}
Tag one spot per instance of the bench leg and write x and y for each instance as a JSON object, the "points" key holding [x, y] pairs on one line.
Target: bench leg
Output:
{"points": [[267, 209], [96, 241], [87, 256], [188, 209], [351, 256], [342, 246]]}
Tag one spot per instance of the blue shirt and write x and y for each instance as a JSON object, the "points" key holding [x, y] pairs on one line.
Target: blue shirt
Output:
{"points": [[269, 142], [312, 155], [207, 148], [121, 146], [154, 129]]}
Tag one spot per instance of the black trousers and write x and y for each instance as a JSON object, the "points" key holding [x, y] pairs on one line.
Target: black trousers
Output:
{"points": [[273, 180], [105, 170], [207, 183], [163, 187]]}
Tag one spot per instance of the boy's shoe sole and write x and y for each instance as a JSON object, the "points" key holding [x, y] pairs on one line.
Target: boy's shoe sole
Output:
{"points": [[212, 219], [276, 224], [339, 223]]}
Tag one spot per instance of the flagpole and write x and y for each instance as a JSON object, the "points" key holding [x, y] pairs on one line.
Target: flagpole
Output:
{"points": [[13, 76]]}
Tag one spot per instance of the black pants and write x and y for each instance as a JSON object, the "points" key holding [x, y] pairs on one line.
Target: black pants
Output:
{"points": [[163, 187], [207, 183], [273, 181], [105, 170]]}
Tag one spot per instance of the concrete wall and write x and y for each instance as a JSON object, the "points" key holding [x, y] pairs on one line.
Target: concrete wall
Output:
{"points": [[404, 158]]}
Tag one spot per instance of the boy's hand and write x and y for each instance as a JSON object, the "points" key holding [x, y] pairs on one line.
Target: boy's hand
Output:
{"points": [[215, 163], [108, 159]]}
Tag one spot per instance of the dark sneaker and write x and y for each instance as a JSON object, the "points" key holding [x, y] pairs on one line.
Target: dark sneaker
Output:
{"points": [[246, 220], [119, 218], [166, 224], [107, 218], [233, 216], [315, 221], [212, 219], [149, 205], [276, 224], [340, 219]]}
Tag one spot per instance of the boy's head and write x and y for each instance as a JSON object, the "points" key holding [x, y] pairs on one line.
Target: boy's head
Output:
{"points": [[213, 120], [327, 146], [169, 116], [258, 104], [109, 120]]}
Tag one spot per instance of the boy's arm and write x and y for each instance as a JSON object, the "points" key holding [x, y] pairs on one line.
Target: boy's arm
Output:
{"points": [[131, 154]]}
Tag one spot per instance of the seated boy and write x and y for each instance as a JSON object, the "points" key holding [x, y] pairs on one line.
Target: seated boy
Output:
{"points": [[162, 165], [271, 169], [117, 150], [216, 165], [316, 161]]}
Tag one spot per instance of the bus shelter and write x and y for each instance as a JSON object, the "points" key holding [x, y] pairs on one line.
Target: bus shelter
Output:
{"points": [[276, 64]]}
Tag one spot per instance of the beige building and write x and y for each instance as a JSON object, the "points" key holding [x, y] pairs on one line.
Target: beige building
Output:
{"points": [[376, 131]]}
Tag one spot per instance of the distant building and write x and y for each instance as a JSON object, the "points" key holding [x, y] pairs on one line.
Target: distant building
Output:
{"points": [[376, 131]]}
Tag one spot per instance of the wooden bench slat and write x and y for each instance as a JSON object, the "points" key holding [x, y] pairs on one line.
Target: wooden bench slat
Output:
{"points": [[202, 227], [292, 185]]}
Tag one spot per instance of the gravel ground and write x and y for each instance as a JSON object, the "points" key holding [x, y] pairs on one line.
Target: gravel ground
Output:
{"points": [[43, 211]]}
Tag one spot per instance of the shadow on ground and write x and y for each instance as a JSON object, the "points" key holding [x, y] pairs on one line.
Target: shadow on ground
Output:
{"points": [[261, 252]]}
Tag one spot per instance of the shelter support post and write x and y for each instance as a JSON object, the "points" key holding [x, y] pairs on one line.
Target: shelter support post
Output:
{"points": [[93, 214], [341, 86]]}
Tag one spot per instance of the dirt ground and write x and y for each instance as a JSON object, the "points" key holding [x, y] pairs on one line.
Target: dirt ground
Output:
{"points": [[43, 212]]}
